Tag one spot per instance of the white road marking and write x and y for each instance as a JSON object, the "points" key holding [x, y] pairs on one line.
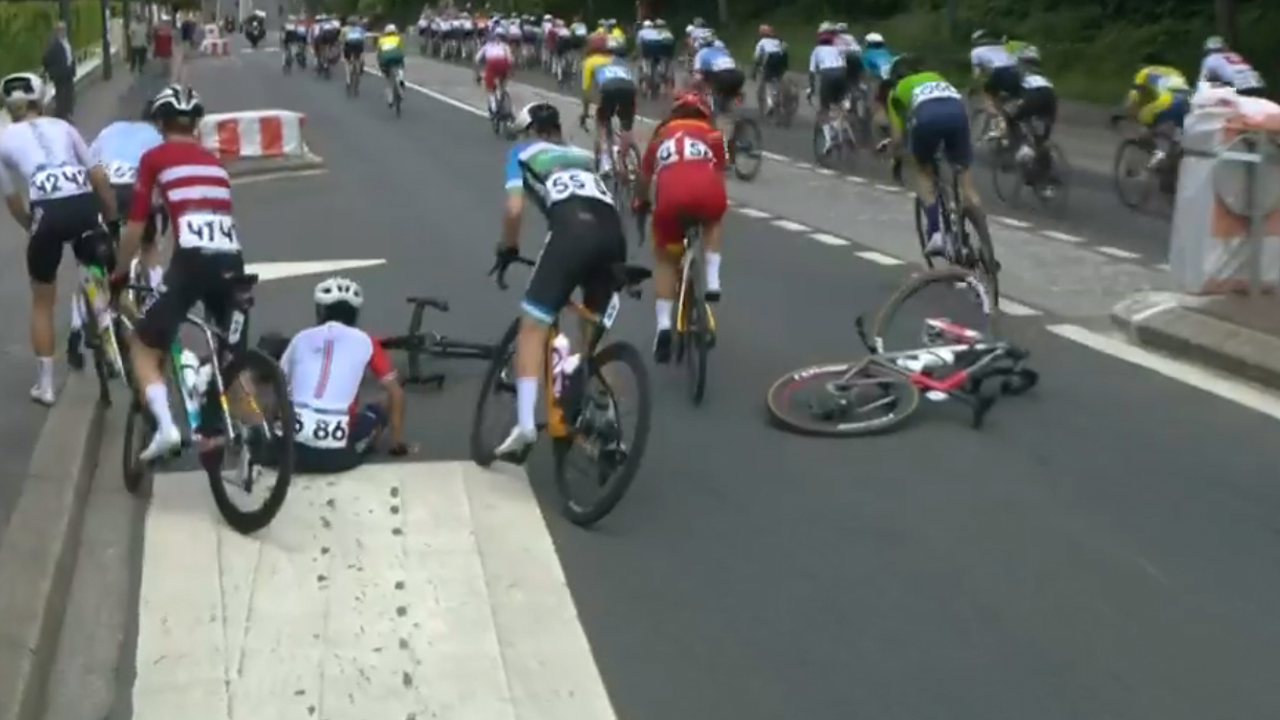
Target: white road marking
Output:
{"points": [[804, 165], [827, 239], [752, 212], [1116, 252], [283, 174], [855, 179], [888, 188], [879, 258], [277, 270], [792, 226], [1064, 237], [1013, 307], [1225, 388], [1164, 267], [393, 591], [775, 156], [1011, 222], [824, 171]]}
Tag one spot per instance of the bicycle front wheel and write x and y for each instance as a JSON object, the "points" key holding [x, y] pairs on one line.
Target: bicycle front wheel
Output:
{"points": [[599, 432], [842, 400], [1132, 174], [694, 340], [498, 382], [748, 149]]}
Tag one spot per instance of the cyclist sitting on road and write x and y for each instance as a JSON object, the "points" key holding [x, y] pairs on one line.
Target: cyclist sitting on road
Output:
{"points": [[1160, 100], [715, 69], [325, 365], [391, 58], [770, 60], [610, 75], [494, 59], [584, 242], [685, 163], [998, 68], [827, 72], [353, 36], [927, 115], [1039, 101], [1221, 65]]}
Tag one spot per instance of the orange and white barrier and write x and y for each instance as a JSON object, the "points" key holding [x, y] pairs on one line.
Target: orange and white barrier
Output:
{"points": [[215, 46], [254, 134]]}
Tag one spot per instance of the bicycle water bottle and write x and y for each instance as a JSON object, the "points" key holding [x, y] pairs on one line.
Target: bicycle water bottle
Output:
{"points": [[190, 380]]}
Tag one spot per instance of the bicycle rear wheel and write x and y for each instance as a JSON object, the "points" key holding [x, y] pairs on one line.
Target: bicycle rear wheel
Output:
{"points": [[985, 261], [694, 339], [948, 278], [842, 400], [748, 150], [495, 383], [1133, 178], [616, 461]]}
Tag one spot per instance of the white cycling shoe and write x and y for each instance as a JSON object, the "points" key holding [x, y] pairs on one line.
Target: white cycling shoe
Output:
{"points": [[516, 445], [43, 395], [162, 443]]}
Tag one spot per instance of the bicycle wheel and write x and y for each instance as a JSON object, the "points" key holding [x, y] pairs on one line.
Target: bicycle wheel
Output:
{"points": [[1131, 174], [984, 252], [694, 341], [1007, 176], [922, 225], [842, 400], [1049, 175], [616, 466], [265, 372], [747, 145], [979, 294], [495, 382], [138, 428]]}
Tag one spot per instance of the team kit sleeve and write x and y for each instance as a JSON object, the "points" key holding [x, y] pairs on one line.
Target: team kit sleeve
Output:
{"points": [[514, 176], [379, 364]]}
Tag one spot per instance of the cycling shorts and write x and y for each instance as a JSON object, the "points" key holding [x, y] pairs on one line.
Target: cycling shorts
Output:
{"points": [[353, 50], [853, 68], [940, 124], [362, 428], [562, 45], [1039, 104], [495, 69], [833, 87], [158, 220], [617, 99], [657, 50], [59, 221], [774, 65], [688, 193], [585, 242], [192, 276], [1005, 80], [726, 86]]}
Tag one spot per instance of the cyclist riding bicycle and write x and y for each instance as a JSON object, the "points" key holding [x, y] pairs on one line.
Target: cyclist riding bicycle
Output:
{"points": [[715, 70], [998, 69], [353, 36], [1221, 65], [771, 59], [611, 76], [66, 192], [1160, 100], [1039, 102], [829, 74], [391, 58], [584, 241], [926, 115], [684, 162], [852, 53], [494, 60]]}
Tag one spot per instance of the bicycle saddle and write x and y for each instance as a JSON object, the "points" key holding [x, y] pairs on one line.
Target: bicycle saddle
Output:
{"points": [[438, 303], [243, 281], [628, 276]]}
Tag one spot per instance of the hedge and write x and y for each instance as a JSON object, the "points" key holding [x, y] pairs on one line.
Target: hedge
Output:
{"points": [[25, 29]]}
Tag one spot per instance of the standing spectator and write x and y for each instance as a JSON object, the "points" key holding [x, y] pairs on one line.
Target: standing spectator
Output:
{"points": [[60, 66], [139, 34]]}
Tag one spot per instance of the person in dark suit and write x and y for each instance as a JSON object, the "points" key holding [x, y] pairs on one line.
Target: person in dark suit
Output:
{"points": [[60, 67]]}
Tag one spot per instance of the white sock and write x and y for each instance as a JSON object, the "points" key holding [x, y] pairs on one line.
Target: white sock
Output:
{"points": [[158, 401], [527, 404], [155, 276], [713, 271], [77, 311], [663, 310], [44, 372]]}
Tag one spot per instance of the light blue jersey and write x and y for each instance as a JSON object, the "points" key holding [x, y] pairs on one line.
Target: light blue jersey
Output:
{"points": [[354, 34], [877, 61], [713, 59], [119, 148], [613, 70]]}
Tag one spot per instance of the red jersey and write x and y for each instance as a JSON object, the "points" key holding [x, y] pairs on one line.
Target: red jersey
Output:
{"points": [[687, 144], [195, 189]]}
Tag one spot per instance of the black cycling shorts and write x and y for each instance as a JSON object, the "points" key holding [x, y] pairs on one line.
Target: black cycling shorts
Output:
{"points": [[353, 50], [192, 276], [585, 242], [1038, 103], [853, 69], [833, 86], [1006, 80], [774, 66], [617, 99], [57, 222], [562, 46], [726, 86], [157, 221]]}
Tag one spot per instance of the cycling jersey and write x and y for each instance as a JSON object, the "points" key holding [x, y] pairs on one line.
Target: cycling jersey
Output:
{"points": [[1229, 68], [50, 157], [848, 43], [935, 117], [915, 89], [1162, 94], [990, 57], [768, 46], [554, 173], [827, 57], [325, 365], [353, 34], [390, 49], [695, 34], [496, 56], [713, 59], [686, 159], [600, 70], [578, 30], [877, 61], [119, 148]]}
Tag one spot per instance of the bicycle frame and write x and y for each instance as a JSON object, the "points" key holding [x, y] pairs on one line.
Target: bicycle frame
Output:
{"points": [[692, 243], [94, 282], [557, 425]]}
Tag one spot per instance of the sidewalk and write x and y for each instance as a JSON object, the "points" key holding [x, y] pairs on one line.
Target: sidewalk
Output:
{"points": [[88, 67], [1235, 334]]}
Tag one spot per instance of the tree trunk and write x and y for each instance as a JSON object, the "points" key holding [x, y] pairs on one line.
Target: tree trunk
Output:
{"points": [[1225, 10]]}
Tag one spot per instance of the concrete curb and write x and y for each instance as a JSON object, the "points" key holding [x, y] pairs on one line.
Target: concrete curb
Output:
{"points": [[257, 167], [1164, 322], [38, 549]]}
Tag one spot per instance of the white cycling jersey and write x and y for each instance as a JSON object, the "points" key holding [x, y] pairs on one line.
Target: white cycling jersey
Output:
{"points": [[649, 35], [325, 365], [826, 57], [49, 155], [695, 34], [493, 50], [848, 43], [578, 29], [1035, 81], [990, 57], [769, 46], [1229, 68], [513, 31]]}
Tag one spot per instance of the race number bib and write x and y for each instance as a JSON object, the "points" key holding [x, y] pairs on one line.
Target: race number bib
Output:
{"points": [[208, 232], [723, 63], [576, 183], [683, 148], [59, 182], [1033, 82], [122, 173], [933, 91], [323, 431]]}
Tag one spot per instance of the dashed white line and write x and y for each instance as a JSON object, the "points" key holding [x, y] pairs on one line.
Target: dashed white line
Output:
{"points": [[827, 239], [1164, 267], [1013, 307], [792, 226], [804, 166], [888, 188], [824, 171], [1064, 237], [1116, 252], [855, 179], [879, 258], [752, 212], [776, 156], [1011, 222]]}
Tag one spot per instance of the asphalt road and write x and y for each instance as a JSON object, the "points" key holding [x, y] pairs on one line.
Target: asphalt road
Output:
{"points": [[1092, 212], [1104, 548]]}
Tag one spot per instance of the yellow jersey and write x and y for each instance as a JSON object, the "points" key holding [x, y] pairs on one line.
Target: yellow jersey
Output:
{"points": [[387, 43], [591, 65], [1155, 82]]}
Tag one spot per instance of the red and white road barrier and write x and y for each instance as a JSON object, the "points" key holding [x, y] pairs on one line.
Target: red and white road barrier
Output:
{"points": [[254, 134], [212, 32], [215, 46]]}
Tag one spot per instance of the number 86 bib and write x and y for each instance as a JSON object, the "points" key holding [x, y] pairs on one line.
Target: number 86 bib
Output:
{"points": [[322, 431]]}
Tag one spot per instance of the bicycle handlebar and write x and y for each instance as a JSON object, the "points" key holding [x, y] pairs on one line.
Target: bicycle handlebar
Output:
{"points": [[500, 269]]}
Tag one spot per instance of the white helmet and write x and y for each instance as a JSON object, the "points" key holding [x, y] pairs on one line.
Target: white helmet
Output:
{"points": [[873, 39], [20, 88], [339, 289], [390, 29], [177, 100], [647, 24], [1214, 43]]}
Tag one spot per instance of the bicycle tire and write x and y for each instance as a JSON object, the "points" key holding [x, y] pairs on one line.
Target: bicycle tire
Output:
{"points": [[264, 371], [921, 226], [1117, 170], [985, 252], [1056, 176], [741, 125], [617, 486], [481, 454], [138, 426], [950, 275], [695, 341], [94, 339], [782, 418], [1002, 167]]}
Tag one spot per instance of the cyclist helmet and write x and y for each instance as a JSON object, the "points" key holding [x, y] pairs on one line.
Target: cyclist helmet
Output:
{"points": [[1214, 43], [390, 29], [904, 65], [842, 27], [22, 88], [539, 116], [873, 38], [981, 37], [699, 22], [1029, 54], [339, 290], [598, 43], [766, 31], [647, 24], [825, 26], [690, 104], [176, 102]]}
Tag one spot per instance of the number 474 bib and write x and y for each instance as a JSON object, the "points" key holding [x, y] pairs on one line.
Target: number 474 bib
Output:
{"points": [[208, 232]]}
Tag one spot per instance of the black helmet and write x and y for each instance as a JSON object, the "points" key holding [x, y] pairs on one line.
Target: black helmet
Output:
{"points": [[539, 116], [904, 65]]}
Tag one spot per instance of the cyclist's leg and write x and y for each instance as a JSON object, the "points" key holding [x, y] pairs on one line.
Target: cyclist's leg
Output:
{"points": [[44, 255], [958, 147], [667, 245], [925, 130], [605, 110], [712, 205], [626, 112]]}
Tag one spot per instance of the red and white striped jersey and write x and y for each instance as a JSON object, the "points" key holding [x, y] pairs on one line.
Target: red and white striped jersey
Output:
{"points": [[196, 190]]}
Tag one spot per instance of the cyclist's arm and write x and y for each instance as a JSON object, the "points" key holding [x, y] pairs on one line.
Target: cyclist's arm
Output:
{"points": [[381, 367], [513, 211], [97, 176], [895, 118], [12, 198], [649, 161], [139, 210]]}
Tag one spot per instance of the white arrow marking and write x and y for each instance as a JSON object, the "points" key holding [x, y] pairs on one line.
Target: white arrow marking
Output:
{"points": [[277, 270]]}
